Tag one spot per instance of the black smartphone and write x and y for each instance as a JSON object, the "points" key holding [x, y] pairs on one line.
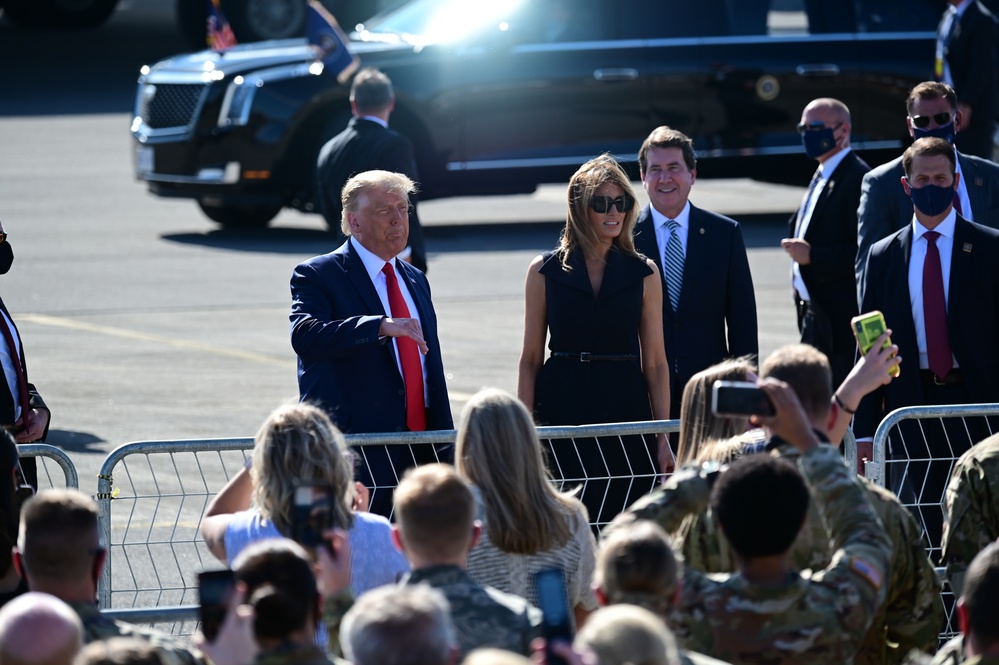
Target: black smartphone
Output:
{"points": [[739, 398], [312, 514], [553, 601], [214, 588]]}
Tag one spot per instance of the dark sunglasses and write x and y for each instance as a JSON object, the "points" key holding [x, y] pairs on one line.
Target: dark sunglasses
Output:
{"points": [[602, 204], [814, 126], [923, 121]]}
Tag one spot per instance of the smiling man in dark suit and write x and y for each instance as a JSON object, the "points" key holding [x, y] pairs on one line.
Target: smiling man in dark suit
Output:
{"points": [[937, 283], [709, 306], [365, 330], [368, 143], [823, 236]]}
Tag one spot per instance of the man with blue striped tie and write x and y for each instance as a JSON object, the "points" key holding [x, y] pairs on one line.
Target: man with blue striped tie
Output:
{"points": [[709, 306]]}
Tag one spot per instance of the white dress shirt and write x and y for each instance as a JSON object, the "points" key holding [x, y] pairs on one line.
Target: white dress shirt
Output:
{"points": [[917, 257], [374, 264]]}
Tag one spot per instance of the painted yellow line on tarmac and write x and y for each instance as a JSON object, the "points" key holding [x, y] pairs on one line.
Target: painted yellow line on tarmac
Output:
{"points": [[45, 320]]}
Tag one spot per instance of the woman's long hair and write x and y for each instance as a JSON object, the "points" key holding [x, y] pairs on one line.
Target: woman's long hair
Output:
{"points": [[299, 445], [498, 451], [697, 423], [578, 233]]}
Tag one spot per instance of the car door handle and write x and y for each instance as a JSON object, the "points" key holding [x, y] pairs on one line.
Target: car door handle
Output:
{"points": [[615, 74], [827, 69]]}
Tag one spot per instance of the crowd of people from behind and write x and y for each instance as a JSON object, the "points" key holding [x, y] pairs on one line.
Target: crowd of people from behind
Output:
{"points": [[761, 545]]}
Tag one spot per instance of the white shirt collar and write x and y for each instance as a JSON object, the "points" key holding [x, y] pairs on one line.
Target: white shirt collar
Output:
{"points": [[375, 119], [827, 167], [944, 228], [683, 219], [372, 263]]}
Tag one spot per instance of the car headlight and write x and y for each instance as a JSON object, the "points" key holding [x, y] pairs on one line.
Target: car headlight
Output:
{"points": [[238, 100]]}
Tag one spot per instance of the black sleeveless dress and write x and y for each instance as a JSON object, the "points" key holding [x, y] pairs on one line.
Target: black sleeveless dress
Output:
{"points": [[614, 471]]}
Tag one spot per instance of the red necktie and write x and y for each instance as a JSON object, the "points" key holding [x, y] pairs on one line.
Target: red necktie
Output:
{"points": [[409, 357], [15, 359], [935, 310]]}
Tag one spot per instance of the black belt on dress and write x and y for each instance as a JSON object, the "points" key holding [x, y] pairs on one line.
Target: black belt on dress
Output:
{"points": [[586, 357], [954, 376]]}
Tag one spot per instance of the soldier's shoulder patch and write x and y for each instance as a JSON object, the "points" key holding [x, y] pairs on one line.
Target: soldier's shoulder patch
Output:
{"points": [[867, 571]]}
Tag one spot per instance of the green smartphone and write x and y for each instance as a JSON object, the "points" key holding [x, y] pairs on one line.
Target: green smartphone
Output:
{"points": [[867, 328]]}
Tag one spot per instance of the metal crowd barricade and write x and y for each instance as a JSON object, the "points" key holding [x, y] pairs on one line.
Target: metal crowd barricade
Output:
{"points": [[45, 451], [152, 494], [878, 470]]}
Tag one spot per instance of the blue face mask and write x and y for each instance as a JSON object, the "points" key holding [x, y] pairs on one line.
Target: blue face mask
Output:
{"points": [[945, 132], [932, 200], [818, 142]]}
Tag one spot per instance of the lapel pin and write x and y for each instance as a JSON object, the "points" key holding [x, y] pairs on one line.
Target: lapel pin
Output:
{"points": [[702, 230], [967, 247], [978, 182]]}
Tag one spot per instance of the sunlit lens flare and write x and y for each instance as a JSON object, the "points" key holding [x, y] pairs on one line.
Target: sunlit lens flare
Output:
{"points": [[457, 19]]}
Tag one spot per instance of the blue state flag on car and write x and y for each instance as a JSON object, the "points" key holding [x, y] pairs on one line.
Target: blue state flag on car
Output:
{"points": [[220, 36], [330, 43]]}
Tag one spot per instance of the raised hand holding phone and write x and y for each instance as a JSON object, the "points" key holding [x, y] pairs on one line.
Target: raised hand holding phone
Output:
{"points": [[868, 328]]}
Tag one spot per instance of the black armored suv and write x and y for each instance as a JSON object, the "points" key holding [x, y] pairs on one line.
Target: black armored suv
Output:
{"points": [[499, 96]]}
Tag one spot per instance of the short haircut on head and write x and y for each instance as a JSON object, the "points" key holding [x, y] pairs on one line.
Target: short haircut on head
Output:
{"points": [[120, 651], [280, 586], [59, 535], [929, 146], [399, 625], [39, 629], [667, 137], [357, 186], [636, 565], [299, 445], [498, 451], [761, 502], [625, 634], [807, 371], [697, 422], [981, 596], [434, 511], [838, 108], [931, 90], [371, 91]]}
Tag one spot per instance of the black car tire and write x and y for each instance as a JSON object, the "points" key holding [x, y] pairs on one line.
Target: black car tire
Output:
{"points": [[240, 217], [59, 13]]}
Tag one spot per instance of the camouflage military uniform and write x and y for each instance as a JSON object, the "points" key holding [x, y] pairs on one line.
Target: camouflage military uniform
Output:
{"points": [[815, 618], [912, 613], [97, 627], [482, 616], [971, 509]]}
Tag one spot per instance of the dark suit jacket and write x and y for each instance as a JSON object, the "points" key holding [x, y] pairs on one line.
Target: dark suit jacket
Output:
{"points": [[971, 57], [885, 208], [716, 315], [7, 404], [832, 234], [972, 318], [342, 364], [363, 146]]}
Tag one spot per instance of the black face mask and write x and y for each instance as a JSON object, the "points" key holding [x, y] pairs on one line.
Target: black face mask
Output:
{"points": [[6, 257]]}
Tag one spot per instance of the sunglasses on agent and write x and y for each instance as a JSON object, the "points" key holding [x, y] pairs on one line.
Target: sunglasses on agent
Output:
{"points": [[923, 121]]}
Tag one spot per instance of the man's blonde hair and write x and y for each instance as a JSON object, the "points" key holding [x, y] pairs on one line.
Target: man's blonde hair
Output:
{"points": [[435, 511]]}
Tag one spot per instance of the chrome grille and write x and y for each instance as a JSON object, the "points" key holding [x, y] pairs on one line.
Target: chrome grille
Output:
{"points": [[171, 105]]}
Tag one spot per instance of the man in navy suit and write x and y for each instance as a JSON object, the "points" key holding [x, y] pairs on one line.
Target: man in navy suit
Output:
{"points": [[932, 109], [949, 349], [709, 306], [823, 236], [369, 144], [353, 346], [31, 425]]}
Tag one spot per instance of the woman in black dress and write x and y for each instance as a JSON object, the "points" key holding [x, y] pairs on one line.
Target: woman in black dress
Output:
{"points": [[601, 303]]}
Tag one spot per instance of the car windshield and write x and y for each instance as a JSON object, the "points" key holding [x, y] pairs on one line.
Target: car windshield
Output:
{"points": [[432, 21]]}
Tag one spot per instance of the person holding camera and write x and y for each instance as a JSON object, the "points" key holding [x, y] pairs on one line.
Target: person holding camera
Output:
{"points": [[760, 611], [299, 446]]}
